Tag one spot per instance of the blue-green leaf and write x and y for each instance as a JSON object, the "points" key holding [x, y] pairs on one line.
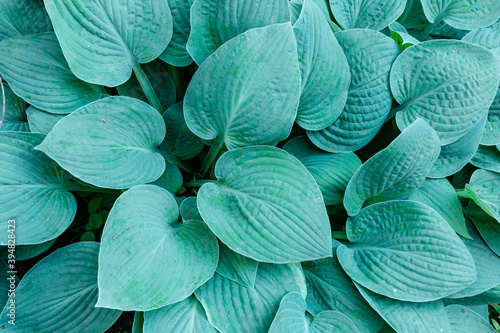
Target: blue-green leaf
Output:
{"points": [[236, 267], [401, 36], [170, 180], [25, 252], [487, 157], [488, 227], [484, 189], [15, 112], [141, 239], [23, 17], [491, 296], [40, 121], [491, 134], [488, 37], [189, 209], [464, 320]]}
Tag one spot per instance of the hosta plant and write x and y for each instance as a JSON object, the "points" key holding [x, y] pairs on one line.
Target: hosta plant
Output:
{"points": [[249, 166]]}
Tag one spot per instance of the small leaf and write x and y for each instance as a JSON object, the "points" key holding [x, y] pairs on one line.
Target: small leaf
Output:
{"points": [[236, 267], [94, 203], [401, 36], [87, 236], [189, 209], [95, 221], [464, 320]]}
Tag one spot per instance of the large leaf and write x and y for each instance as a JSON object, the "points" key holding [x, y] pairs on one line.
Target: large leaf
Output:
{"points": [[109, 143], [22, 17], [291, 317], [440, 195], [449, 83], [484, 189], [214, 22], [409, 317], [186, 316], [464, 320], [40, 121], [487, 157], [142, 239], [236, 267], [406, 251], [330, 171], [488, 37], [370, 55], [321, 59], [230, 307], [36, 70], [59, 294], [33, 191], [249, 106], [103, 40], [15, 112], [396, 171], [488, 227], [266, 206], [462, 14], [373, 14]]}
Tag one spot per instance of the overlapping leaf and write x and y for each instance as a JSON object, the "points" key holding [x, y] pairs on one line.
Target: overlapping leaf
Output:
{"points": [[488, 227], [236, 267], [464, 320], [484, 189], [15, 112], [40, 121], [487, 157], [23, 17], [488, 37]]}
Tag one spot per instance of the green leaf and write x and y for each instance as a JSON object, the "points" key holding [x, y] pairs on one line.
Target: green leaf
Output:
{"points": [[266, 206], [95, 221], [491, 134], [180, 142], [59, 294], [22, 17], [441, 196], [109, 143], [214, 22], [176, 53], [321, 58], [464, 320], [94, 203], [370, 55], [170, 180], [236, 267], [330, 171], [462, 14], [409, 317], [406, 251], [247, 107], [137, 326], [413, 17], [396, 171], [230, 307], [15, 112], [25, 252], [488, 227], [33, 191], [40, 121], [401, 36], [189, 209], [147, 258], [484, 189], [103, 40], [487, 157], [449, 83], [491, 296], [291, 317], [488, 37], [36, 70]]}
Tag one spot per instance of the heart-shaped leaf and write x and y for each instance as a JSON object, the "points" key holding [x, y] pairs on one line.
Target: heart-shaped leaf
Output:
{"points": [[396, 171], [231, 307], [23, 17], [248, 107], [109, 143], [236, 267], [103, 40], [406, 251], [451, 84], [59, 294], [464, 320], [15, 112], [142, 238], [33, 191], [488, 37], [260, 209]]}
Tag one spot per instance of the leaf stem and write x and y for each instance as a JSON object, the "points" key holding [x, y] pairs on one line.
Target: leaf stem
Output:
{"points": [[147, 88], [342, 235], [175, 77], [199, 183], [212, 154], [171, 159], [431, 26]]}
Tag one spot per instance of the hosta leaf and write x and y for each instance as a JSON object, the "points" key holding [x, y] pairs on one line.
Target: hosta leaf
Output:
{"points": [[176, 53], [25, 252], [170, 180], [406, 251], [230, 307], [189, 209], [487, 157], [295, 7], [40, 121], [142, 232], [36, 70], [464, 320], [396, 171], [445, 31], [454, 156], [330, 288], [487, 265], [462, 14], [449, 83], [291, 317], [161, 82], [488, 37], [179, 141], [370, 55], [440, 195], [374, 14], [321, 59], [248, 107], [330, 171], [33, 191], [491, 296], [409, 317], [59, 294], [260, 209], [137, 326], [413, 16], [104, 40], [484, 189], [214, 22], [491, 134], [109, 143], [401, 36], [23, 17], [236, 267], [15, 112], [185, 316], [488, 227]]}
